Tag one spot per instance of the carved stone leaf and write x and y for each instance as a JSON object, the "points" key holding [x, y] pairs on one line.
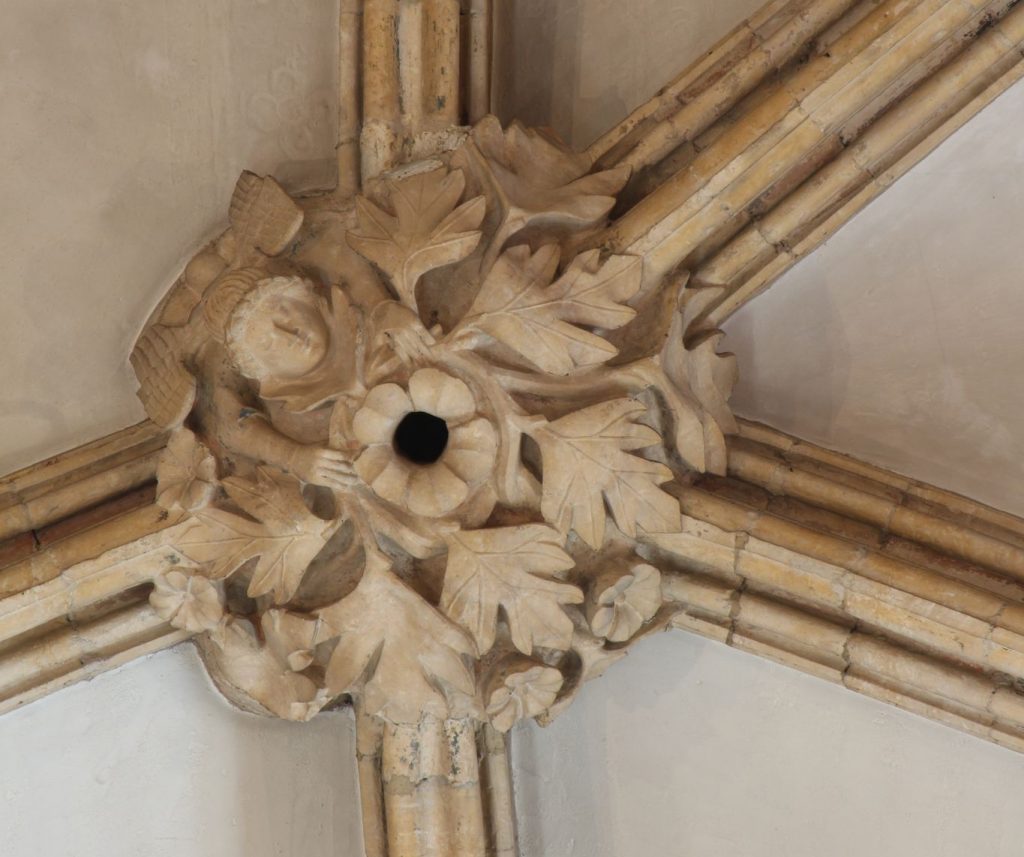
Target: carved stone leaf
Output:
{"points": [[402, 655], [510, 568], [518, 308], [587, 463], [694, 366], [186, 473], [285, 536], [533, 178], [426, 231], [249, 672]]}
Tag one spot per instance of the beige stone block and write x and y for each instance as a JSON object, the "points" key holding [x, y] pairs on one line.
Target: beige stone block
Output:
{"points": [[696, 625], [928, 585], [924, 608], [962, 79], [796, 560], [699, 596], [900, 624], [793, 630], [900, 50], [939, 683], [959, 541], [694, 552], [772, 576]]}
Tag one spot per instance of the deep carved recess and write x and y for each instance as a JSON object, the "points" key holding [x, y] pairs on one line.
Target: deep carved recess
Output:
{"points": [[421, 453]]}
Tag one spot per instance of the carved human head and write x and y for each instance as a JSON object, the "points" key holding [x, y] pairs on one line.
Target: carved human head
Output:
{"points": [[277, 330]]}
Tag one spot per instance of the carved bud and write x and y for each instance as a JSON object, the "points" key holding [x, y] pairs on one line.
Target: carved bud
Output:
{"points": [[619, 604], [520, 688]]}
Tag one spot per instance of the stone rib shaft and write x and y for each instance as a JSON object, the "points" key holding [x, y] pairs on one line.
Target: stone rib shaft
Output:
{"points": [[421, 788], [893, 588], [424, 67], [740, 162]]}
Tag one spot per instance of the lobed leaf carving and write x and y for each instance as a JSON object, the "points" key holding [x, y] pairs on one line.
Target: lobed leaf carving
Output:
{"points": [[402, 655], [533, 179], [517, 306], [285, 535], [587, 462], [510, 568], [426, 231]]}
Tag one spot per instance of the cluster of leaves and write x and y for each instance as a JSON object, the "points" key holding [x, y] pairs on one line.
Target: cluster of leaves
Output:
{"points": [[384, 641]]}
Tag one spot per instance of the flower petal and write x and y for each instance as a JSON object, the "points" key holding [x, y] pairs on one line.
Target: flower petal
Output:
{"points": [[435, 490], [471, 450], [440, 394], [393, 482], [373, 460], [383, 409], [478, 436]]}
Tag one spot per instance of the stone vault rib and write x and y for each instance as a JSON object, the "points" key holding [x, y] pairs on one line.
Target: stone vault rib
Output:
{"points": [[893, 588], [792, 124], [301, 543]]}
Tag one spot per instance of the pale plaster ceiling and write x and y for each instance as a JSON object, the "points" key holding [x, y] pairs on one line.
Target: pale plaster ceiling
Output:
{"points": [[900, 340], [126, 125]]}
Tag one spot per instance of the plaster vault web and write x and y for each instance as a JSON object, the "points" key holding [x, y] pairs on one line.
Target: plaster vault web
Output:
{"points": [[546, 322]]}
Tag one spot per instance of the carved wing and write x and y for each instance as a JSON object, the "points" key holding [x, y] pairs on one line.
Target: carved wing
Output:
{"points": [[262, 215], [166, 388]]}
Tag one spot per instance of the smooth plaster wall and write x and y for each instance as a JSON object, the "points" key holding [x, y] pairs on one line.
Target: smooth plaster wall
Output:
{"points": [[900, 341], [692, 749], [580, 66], [685, 749], [150, 761], [125, 125]]}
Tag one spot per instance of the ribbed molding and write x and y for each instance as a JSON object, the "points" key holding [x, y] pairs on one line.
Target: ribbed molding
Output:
{"points": [[792, 124], [889, 586], [857, 575]]}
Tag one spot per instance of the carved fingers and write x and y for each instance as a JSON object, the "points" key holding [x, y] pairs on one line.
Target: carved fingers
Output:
{"points": [[327, 467], [411, 344]]}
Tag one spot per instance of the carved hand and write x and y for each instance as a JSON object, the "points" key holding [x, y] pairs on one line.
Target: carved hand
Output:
{"points": [[319, 466], [412, 344]]}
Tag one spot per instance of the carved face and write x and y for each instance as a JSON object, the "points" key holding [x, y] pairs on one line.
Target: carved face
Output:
{"points": [[279, 331]]}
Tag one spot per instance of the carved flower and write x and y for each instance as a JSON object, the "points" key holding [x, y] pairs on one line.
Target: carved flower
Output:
{"points": [[189, 602], [520, 691], [619, 607], [427, 450]]}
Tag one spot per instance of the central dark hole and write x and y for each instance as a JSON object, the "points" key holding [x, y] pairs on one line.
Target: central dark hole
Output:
{"points": [[421, 437]]}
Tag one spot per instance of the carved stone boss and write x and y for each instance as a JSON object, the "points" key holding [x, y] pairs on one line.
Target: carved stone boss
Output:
{"points": [[426, 455]]}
